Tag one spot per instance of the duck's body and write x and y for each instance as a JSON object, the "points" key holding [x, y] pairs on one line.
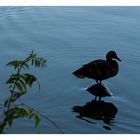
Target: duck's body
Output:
{"points": [[100, 69]]}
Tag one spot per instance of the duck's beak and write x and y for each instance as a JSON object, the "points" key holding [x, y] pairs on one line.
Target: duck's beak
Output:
{"points": [[118, 58]]}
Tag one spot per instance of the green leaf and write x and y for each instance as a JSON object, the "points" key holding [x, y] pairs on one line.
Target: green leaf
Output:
{"points": [[37, 120], [26, 65], [30, 79], [23, 84], [11, 80], [10, 121], [19, 81], [25, 112], [22, 112], [20, 88], [16, 64], [12, 63], [31, 114]]}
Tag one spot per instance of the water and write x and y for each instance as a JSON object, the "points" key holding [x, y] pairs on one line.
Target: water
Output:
{"points": [[69, 37]]}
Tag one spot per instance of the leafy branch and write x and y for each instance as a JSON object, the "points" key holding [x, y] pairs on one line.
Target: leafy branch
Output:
{"points": [[43, 116], [18, 84]]}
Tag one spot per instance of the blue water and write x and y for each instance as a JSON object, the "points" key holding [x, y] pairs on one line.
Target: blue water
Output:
{"points": [[69, 37]]}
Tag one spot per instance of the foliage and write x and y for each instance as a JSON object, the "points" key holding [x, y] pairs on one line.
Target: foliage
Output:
{"points": [[18, 84]]}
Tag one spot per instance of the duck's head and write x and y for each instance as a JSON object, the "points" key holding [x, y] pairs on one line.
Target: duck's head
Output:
{"points": [[112, 55]]}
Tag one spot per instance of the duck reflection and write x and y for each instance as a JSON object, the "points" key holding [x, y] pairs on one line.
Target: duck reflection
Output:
{"points": [[98, 110]]}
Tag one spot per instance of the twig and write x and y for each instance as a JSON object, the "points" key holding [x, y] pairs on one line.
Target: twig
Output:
{"points": [[43, 116]]}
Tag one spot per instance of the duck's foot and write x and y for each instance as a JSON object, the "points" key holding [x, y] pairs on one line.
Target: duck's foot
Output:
{"points": [[95, 98], [99, 82], [100, 99]]}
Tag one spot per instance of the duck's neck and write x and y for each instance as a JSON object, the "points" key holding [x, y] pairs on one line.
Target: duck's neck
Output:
{"points": [[112, 62], [114, 66], [109, 59]]}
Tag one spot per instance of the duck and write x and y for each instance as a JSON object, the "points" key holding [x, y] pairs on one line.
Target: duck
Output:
{"points": [[100, 69]]}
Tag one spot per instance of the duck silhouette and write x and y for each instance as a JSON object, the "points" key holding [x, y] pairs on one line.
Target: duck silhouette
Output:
{"points": [[97, 110], [100, 69]]}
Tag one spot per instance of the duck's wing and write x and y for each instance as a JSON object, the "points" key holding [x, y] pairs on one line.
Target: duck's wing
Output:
{"points": [[98, 69], [84, 70]]}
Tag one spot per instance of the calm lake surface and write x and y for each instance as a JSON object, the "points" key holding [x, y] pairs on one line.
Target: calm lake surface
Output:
{"points": [[69, 37]]}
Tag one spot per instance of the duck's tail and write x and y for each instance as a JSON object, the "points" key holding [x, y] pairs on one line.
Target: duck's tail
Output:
{"points": [[80, 73]]}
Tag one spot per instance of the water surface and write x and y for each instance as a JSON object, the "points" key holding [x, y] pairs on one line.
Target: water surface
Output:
{"points": [[69, 37]]}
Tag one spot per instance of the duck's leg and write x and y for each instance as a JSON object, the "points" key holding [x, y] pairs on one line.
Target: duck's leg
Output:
{"points": [[99, 98], [97, 81], [100, 82], [95, 98]]}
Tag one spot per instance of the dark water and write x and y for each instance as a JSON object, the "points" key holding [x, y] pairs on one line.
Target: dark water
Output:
{"points": [[69, 37]]}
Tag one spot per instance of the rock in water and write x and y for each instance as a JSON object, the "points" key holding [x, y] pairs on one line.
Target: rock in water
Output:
{"points": [[99, 90]]}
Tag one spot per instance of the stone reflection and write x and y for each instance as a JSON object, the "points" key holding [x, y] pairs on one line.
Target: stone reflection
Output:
{"points": [[98, 110]]}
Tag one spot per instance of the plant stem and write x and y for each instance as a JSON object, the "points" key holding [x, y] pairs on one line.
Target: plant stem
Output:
{"points": [[18, 73]]}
